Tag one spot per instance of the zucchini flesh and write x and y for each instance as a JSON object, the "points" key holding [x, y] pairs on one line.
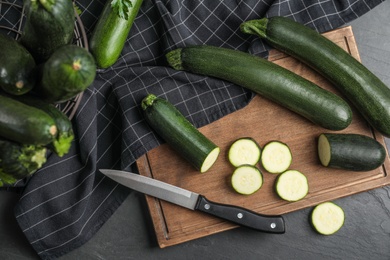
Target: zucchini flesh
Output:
{"points": [[179, 133], [292, 185], [276, 157], [358, 84], [244, 151], [246, 179], [267, 79], [327, 218], [353, 152]]}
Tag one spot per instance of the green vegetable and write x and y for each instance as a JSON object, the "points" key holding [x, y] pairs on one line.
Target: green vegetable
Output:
{"points": [[327, 218], [244, 151], [276, 157], [25, 124], [353, 152], [246, 179], [18, 161], [17, 67], [292, 185], [49, 25], [179, 133], [267, 79], [69, 71], [112, 29], [365, 91]]}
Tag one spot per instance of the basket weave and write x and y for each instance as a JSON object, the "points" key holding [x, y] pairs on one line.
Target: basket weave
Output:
{"points": [[11, 22]]}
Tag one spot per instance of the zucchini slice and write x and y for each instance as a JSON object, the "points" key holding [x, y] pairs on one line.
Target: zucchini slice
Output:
{"points": [[292, 185], [353, 152], [244, 151], [247, 179], [276, 157], [327, 218]]}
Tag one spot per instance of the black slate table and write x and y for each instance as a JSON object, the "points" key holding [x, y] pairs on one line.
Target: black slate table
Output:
{"points": [[129, 233]]}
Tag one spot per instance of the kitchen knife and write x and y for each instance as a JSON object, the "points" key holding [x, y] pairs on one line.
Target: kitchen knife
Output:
{"points": [[194, 201]]}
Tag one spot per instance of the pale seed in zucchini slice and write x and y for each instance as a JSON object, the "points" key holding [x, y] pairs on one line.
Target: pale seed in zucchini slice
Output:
{"points": [[327, 218], [276, 157], [246, 179], [244, 151], [292, 185]]}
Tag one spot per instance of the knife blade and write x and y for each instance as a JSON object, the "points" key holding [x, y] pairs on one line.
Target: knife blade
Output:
{"points": [[194, 201]]}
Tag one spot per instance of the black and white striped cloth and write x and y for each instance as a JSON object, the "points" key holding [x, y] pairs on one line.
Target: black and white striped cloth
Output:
{"points": [[65, 203]]}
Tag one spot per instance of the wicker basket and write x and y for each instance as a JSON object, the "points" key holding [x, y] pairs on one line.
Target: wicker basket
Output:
{"points": [[11, 22]]}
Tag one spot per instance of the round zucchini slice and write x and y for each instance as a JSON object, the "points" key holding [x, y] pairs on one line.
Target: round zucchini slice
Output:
{"points": [[244, 151], [247, 179], [327, 218], [292, 185], [276, 157]]}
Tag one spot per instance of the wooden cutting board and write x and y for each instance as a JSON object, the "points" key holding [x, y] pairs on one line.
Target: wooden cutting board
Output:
{"points": [[264, 121]]}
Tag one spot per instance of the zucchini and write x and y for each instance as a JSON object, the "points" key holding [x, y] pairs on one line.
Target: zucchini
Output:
{"points": [[17, 67], [358, 84], [25, 124], [244, 151], [247, 179], [327, 218], [267, 79], [111, 31], [276, 157], [18, 161], [179, 133], [353, 152], [292, 185], [69, 71], [65, 135]]}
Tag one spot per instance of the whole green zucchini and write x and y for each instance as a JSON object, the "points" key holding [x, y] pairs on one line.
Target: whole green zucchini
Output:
{"points": [[25, 124], [267, 79], [111, 31], [17, 67], [49, 25], [358, 84], [179, 133]]}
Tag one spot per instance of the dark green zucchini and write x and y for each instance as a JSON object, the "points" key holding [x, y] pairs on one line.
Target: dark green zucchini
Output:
{"points": [[65, 135], [179, 133], [353, 152], [358, 84], [49, 25], [25, 124], [267, 79], [69, 71], [111, 31], [18, 161]]}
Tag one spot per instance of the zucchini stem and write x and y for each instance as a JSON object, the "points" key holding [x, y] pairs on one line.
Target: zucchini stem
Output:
{"points": [[148, 101], [256, 27], [174, 59]]}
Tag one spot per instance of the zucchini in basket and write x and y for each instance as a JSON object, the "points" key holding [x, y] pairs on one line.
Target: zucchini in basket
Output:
{"points": [[358, 84], [267, 79], [179, 133]]}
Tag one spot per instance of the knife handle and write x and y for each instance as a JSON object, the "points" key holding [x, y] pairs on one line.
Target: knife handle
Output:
{"points": [[241, 216]]}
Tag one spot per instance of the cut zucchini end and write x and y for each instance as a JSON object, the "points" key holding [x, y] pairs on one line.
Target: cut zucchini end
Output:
{"points": [[324, 150], [276, 157], [292, 185], [246, 179], [210, 160], [244, 151], [327, 218]]}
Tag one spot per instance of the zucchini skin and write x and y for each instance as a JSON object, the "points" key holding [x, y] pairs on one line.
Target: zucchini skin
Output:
{"points": [[25, 124], [17, 67], [358, 84], [110, 34], [355, 152], [176, 130], [49, 25], [267, 79]]}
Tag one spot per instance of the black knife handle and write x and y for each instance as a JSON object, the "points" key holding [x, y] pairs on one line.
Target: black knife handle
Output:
{"points": [[241, 216]]}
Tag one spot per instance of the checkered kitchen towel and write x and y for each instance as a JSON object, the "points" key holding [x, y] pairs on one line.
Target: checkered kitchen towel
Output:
{"points": [[66, 202]]}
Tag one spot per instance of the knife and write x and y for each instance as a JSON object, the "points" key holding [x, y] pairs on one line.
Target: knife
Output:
{"points": [[194, 201]]}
